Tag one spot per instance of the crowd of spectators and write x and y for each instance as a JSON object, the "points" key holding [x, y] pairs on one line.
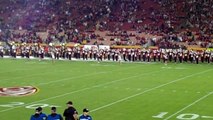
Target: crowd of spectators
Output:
{"points": [[76, 20]]}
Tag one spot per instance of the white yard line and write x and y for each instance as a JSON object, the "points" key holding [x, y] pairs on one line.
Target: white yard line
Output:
{"points": [[43, 73], [135, 95], [69, 78], [200, 99], [84, 89], [14, 70], [207, 117], [28, 76]]}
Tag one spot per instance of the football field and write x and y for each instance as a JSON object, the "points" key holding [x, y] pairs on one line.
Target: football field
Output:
{"points": [[111, 91]]}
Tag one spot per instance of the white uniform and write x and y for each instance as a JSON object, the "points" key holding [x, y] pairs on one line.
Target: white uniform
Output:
{"points": [[52, 52], [119, 57], [1, 49]]}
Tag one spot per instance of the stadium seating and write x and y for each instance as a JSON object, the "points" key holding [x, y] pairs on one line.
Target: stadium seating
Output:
{"points": [[176, 22]]}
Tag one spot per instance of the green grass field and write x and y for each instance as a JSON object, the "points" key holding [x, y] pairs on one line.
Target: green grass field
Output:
{"points": [[130, 91]]}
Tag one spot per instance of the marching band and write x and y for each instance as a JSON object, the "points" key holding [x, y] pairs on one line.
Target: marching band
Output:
{"points": [[131, 55]]}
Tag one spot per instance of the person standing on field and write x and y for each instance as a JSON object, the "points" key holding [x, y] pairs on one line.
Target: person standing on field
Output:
{"points": [[38, 115], [70, 113], [54, 115], [85, 115], [1, 51]]}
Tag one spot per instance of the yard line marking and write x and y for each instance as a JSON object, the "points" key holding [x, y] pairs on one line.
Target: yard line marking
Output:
{"points": [[189, 106], [126, 78], [13, 70], [70, 78], [84, 89], [31, 75], [208, 117], [25, 69], [154, 88], [65, 79]]}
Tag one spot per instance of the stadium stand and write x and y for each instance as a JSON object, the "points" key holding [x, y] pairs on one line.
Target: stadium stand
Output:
{"points": [[169, 24]]}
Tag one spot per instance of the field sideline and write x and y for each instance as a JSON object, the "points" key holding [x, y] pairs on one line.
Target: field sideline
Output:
{"points": [[112, 91]]}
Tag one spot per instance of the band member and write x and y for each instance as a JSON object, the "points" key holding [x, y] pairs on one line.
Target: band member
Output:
{"points": [[57, 53], [191, 56], [207, 57], [22, 50], [175, 54], [52, 52], [132, 55], [1, 51], [144, 55], [170, 56], [158, 55], [35, 50], [69, 53], [135, 55], [90, 54], [139, 54], [83, 54], [148, 56], [202, 57], [180, 57], [33, 47], [108, 54], [105, 54], [186, 56], [124, 54], [154, 55], [63, 51], [13, 52], [119, 58], [116, 55], [99, 56], [74, 51], [129, 54], [86, 53], [78, 53], [197, 58], [165, 58], [27, 50], [41, 53], [113, 54], [95, 54]]}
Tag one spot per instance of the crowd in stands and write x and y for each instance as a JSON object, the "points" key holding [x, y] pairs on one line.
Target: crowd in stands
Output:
{"points": [[76, 21]]}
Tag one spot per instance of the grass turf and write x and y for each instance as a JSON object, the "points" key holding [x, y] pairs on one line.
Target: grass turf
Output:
{"points": [[136, 91]]}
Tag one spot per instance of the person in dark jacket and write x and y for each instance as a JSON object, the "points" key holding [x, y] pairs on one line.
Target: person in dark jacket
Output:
{"points": [[70, 113]]}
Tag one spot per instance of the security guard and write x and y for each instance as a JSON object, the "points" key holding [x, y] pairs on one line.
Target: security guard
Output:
{"points": [[54, 115]]}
